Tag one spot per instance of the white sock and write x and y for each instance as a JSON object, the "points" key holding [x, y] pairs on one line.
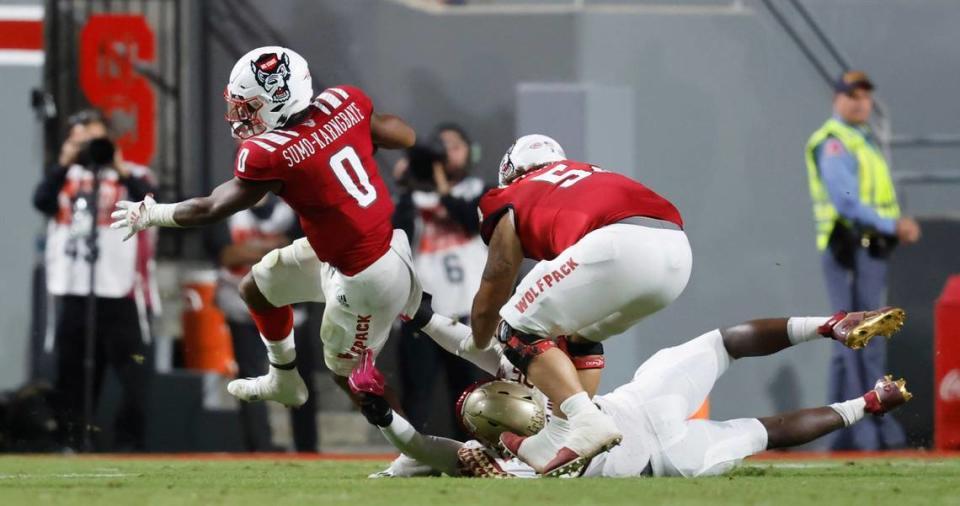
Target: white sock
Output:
{"points": [[801, 329], [280, 352], [851, 411], [557, 429], [577, 404], [543, 446]]}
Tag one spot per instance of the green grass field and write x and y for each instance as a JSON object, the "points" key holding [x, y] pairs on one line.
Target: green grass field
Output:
{"points": [[32, 481]]}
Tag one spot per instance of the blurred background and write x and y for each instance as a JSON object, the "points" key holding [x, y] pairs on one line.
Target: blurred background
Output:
{"points": [[710, 102]]}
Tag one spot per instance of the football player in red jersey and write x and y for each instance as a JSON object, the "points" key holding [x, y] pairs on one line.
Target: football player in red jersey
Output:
{"points": [[611, 252], [317, 156]]}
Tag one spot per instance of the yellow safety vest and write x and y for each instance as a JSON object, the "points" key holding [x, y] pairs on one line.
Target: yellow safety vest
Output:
{"points": [[876, 186]]}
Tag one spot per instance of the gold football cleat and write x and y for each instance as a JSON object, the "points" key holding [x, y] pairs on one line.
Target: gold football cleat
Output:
{"points": [[887, 395], [856, 329]]}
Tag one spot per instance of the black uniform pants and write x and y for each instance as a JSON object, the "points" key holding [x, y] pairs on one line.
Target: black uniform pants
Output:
{"points": [[118, 343]]}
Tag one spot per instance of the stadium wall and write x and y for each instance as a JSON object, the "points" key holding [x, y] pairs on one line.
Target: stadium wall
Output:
{"points": [[723, 102], [21, 142]]}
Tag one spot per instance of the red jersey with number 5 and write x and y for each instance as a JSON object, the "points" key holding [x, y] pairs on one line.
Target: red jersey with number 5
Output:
{"points": [[329, 178], [557, 205]]}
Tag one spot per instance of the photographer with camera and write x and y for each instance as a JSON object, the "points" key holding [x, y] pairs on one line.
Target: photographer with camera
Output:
{"points": [[89, 170], [438, 210]]}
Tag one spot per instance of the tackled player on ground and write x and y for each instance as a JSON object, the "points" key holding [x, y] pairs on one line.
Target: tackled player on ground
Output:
{"points": [[652, 411]]}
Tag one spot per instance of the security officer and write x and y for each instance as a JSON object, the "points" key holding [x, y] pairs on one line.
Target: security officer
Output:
{"points": [[858, 226]]}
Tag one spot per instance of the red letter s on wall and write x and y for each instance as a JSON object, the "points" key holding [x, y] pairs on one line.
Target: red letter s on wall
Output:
{"points": [[109, 46]]}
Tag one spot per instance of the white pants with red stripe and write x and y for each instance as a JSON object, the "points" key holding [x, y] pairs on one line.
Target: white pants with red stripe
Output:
{"points": [[609, 280], [360, 309]]}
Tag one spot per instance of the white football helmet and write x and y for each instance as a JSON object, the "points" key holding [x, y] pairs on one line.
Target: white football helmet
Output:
{"points": [[526, 153], [266, 87]]}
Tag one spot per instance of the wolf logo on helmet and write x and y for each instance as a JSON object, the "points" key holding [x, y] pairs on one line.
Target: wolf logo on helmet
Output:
{"points": [[272, 71], [507, 169]]}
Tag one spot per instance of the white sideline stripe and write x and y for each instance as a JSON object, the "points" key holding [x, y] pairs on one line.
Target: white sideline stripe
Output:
{"points": [[322, 107], [264, 145], [65, 475], [816, 465], [279, 140], [340, 92], [21, 12], [331, 99], [794, 465], [21, 57]]}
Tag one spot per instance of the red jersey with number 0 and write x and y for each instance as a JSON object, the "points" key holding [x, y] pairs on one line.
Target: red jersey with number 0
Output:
{"points": [[557, 205], [329, 178]]}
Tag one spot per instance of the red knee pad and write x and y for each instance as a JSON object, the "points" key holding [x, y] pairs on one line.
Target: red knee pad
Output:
{"points": [[585, 355]]}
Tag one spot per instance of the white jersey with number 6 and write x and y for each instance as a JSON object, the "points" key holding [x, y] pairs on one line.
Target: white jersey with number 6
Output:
{"points": [[448, 259]]}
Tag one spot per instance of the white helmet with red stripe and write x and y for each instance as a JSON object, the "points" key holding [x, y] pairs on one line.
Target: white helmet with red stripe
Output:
{"points": [[528, 152], [267, 86]]}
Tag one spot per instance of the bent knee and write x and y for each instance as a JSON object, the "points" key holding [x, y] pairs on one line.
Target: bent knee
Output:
{"points": [[252, 295]]}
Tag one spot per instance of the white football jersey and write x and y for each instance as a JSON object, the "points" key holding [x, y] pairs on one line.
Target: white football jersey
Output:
{"points": [[68, 271], [448, 259]]}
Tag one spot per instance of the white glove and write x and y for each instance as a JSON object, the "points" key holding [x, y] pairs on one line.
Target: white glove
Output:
{"points": [[142, 215], [468, 346]]}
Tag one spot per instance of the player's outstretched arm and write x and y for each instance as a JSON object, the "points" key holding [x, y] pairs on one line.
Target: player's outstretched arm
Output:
{"points": [[457, 338], [368, 383], [391, 132], [226, 199], [437, 452], [504, 258]]}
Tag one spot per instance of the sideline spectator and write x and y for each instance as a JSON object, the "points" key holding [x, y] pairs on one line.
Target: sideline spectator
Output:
{"points": [[66, 194]]}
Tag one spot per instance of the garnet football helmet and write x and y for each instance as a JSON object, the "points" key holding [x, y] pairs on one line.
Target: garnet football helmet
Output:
{"points": [[487, 409]]}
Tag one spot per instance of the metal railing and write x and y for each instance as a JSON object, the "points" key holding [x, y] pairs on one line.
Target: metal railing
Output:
{"points": [[881, 123]]}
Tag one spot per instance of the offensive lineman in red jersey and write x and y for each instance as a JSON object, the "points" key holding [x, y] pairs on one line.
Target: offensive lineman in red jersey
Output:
{"points": [[318, 157], [611, 253]]}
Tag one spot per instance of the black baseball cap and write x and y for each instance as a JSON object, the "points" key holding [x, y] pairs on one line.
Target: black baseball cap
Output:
{"points": [[851, 80]]}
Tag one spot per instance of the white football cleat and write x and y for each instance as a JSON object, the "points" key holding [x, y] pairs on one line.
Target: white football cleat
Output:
{"points": [[590, 434], [405, 467], [278, 385], [535, 451], [539, 449]]}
